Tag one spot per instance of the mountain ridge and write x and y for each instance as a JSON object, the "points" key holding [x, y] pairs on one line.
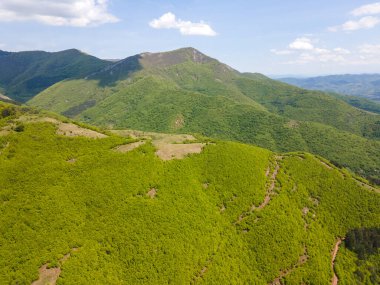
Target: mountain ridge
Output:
{"points": [[195, 94]]}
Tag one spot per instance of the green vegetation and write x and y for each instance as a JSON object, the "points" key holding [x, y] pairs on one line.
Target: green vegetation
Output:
{"points": [[359, 259], [25, 74], [185, 91], [208, 222]]}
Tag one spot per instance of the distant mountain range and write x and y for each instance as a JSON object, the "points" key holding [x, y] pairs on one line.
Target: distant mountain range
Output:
{"points": [[361, 85]]}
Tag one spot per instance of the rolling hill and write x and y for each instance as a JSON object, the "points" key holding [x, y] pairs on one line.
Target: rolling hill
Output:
{"points": [[187, 91], [361, 85], [25, 74], [84, 206]]}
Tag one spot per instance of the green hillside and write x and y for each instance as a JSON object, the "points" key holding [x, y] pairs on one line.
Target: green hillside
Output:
{"points": [[187, 91], [25, 74], [96, 211]]}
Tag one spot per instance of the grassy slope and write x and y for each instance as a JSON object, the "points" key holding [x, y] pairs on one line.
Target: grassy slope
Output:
{"points": [[98, 204], [25, 74]]}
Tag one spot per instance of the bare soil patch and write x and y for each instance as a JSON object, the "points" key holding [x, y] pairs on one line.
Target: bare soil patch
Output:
{"points": [[47, 275], [169, 146], [65, 129], [152, 193], [72, 130], [128, 147], [178, 151]]}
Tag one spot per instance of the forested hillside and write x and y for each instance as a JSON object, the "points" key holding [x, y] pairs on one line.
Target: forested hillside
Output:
{"points": [[187, 91], [25, 74], [83, 206]]}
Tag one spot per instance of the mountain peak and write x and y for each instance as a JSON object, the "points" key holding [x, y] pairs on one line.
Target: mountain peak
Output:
{"points": [[178, 56]]}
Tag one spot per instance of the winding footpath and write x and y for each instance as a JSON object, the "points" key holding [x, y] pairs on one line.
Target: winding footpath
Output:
{"points": [[334, 253], [269, 191], [267, 198]]}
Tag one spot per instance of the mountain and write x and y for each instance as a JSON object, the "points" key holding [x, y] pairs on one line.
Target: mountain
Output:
{"points": [[187, 91], [361, 85], [25, 74], [85, 206]]}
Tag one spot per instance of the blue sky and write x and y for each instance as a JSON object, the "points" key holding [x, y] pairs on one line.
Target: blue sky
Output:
{"points": [[273, 37]]}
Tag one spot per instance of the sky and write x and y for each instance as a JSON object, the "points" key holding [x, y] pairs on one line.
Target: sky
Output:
{"points": [[274, 37]]}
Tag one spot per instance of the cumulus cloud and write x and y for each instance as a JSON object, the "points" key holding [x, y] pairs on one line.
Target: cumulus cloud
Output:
{"points": [[305, 51], [368, 49], [187, 28], [369, 9], [76, 13], [301, 44], [366, 20], [282, 52]]}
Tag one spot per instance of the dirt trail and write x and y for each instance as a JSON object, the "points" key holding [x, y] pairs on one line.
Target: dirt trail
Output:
{"points": [[367, 186], [269, 191], [302, 260], [333, 257]]}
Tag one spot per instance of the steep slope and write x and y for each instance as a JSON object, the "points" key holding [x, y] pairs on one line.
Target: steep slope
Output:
{"points": [[76, 210], [362, 85], [187, 91], [25, 74]]}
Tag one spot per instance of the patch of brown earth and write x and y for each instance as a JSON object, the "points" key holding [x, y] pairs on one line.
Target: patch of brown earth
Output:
{"points": [[128, 147], [168, 146], [48, 276], [72, 130], [66, 129], [73, 160], [292, 124], [178, 151], [152, 193]]}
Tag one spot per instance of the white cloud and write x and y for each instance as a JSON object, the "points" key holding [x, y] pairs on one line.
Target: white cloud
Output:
{"points": [[341, 51], [367, 22], [187, 28], [306, 52], [370, 9], [301, 44], [370, 50], [282, 52], [76, 13]]}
